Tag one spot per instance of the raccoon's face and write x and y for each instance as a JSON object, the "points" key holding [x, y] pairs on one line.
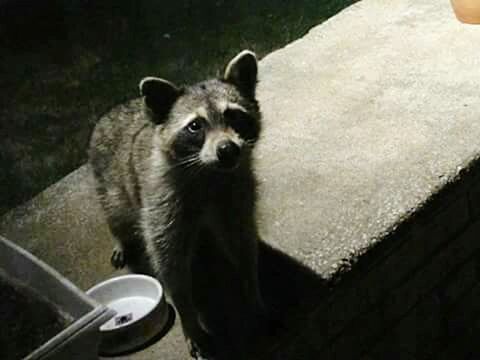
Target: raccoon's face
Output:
{"points": [[213, 124]]}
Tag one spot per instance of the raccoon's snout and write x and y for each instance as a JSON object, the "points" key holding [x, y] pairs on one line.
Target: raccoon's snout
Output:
{"points": [[228, 154]]}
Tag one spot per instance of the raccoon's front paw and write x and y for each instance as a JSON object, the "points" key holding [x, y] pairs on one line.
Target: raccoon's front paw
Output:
{"points": [[118, 260]]}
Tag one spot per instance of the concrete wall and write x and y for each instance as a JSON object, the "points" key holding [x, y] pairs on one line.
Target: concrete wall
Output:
{"points": [[415, 296]]}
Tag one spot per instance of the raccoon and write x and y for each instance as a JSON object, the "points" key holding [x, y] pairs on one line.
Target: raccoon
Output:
{"points": [[174, 173]]}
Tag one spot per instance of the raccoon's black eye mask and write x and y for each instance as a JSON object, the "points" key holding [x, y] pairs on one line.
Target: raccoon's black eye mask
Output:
{"points": [[242, 123], [190, 139]]}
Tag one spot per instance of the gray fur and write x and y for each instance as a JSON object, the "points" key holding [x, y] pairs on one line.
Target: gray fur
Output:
{"points": [[163, 189]]}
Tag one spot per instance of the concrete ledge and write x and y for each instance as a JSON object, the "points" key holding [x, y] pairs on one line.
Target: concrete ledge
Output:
{"points": [[367, 117], [369, 187]]}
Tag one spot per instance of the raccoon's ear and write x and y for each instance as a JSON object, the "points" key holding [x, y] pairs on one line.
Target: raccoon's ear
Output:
{"points": [[160, 95], [242, 71]]}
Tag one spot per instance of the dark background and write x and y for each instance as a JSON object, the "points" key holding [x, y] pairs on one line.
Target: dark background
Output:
{"points": [[64, 63]]}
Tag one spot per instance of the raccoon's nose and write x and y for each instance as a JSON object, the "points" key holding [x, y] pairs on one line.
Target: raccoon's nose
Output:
{"points": [[228, 153]]}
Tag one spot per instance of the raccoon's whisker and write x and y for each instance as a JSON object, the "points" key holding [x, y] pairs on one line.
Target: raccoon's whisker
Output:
{"points": [[188, 161], [191, 163], [191, 167], [190, 171], [194, 164], [195, 171]]}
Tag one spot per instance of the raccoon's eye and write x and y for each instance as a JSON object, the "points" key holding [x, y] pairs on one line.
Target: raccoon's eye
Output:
{"points": [[195, 126]]}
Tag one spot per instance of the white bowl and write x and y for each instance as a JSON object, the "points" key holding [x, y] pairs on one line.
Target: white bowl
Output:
{"points": [[142, 312]]}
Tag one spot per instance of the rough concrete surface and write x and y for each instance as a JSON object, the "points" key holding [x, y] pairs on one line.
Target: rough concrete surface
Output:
{"points": [[365, 118]]}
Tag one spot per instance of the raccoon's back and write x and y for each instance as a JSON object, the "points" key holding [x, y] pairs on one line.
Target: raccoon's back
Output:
{"points": [[113, 140]]}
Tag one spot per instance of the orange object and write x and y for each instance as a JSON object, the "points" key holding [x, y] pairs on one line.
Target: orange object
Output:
{"points": [[467, 11]]}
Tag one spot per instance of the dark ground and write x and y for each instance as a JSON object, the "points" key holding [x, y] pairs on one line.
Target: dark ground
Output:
{"points": [[27, 321], [64, 63]]}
